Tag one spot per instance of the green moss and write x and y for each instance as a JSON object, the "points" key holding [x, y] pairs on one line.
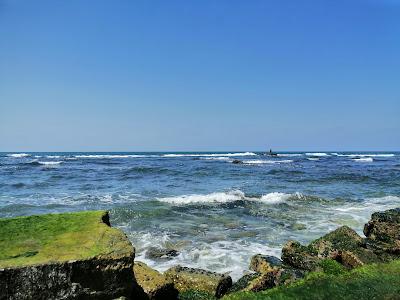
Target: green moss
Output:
{"points": [[196, 295], [58, 237], [377, 281], [332, 267]]}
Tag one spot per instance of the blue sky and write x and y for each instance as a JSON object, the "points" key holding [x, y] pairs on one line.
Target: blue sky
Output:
{"points": [[199, 75]]}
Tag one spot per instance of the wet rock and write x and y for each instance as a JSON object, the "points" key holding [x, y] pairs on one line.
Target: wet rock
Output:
{"points": [[65, 256], [154, 284], [265, 281], [383, 231], [299, 256], [243, 282], [264, 263], [186, 279], [161, 254], [237, 161], [342, 244]]}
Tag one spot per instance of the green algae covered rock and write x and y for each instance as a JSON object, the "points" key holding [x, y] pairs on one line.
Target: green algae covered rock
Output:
{"points": [[342, 244], [375, 281], [154, 284], [186, 279], [264, 263], [65, 256]]}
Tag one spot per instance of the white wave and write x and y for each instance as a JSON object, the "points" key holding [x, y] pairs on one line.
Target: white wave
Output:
{"points": [[275, 197], [210, 154], [18, 155], [230, 257], [317, 154], [50, 163], [259, 161], [53, 156], [364, 155], [364, 159], [313, 158], [100, 156], [216, 158], [219, 197], [290, 154], [225, 197]]}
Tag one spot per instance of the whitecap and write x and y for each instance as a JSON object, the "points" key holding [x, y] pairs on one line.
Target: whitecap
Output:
{"points": [[317, 154], [50, 163], [364, 159], [290, 154], [209, 154], [218, 197], [101, 156], [364, 155], [313, 158], [259, 161], [275, 197], [216, 158], [18, 155]]}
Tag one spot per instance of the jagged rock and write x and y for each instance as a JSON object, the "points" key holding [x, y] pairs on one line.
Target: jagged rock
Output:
{"points": [[264, 263], [299, 256], [342, 244], [65, 256], [383, 231], [154, 284], [161, 254], [243, 282], [196, 279]]}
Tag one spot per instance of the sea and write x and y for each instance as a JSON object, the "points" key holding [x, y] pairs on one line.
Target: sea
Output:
{"points": [[217, 209]]}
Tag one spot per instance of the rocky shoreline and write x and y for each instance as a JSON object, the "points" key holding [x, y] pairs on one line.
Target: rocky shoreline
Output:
{"points": [[35, 266]]}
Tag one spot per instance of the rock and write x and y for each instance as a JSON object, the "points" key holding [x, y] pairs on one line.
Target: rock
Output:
{"points": [[299, 256], [243, 282], [154, 284], [200, 280], [237, 161], [342, 244], [264, 263], [161, 254], [383, 231], [65, 256]]}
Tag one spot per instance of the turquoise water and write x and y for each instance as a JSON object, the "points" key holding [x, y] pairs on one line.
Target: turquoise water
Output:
{"points": [[215, 212]]}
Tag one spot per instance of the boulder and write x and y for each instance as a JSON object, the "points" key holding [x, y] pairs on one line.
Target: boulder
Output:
{"points": [[186, 279], [161, 254], [154, 284], [342, 244], [237, 161], [383, 231], [65, 256], [264, 263], [243, 282]]}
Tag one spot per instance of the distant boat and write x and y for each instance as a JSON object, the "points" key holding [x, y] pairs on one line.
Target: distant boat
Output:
{"points": [[270, 153]]}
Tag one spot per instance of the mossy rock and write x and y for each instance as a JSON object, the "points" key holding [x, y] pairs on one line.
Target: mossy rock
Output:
{"points": [[264, 263], [65, 256], [32, 240], [199, 280], [375, 281], [154, 284]]}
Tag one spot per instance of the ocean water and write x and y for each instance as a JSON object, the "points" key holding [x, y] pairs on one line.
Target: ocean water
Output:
{"points": [[215, 212]]}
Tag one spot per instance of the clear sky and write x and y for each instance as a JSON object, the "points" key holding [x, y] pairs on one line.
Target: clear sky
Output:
{"points": [[199, 75]]}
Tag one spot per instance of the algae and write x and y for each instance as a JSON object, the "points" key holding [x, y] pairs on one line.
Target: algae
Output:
{"points": [[47, 238]]}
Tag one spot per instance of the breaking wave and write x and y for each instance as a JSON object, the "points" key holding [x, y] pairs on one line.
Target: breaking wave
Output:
{"points": [[211, 154], [18, 155], [230, 196]]}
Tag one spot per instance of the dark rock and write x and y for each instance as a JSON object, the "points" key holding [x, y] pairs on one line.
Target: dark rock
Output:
{"points": [[243, 282], [264, 263], [383, 232], [342, 244], [186, 279], [161, 254], [237, 161]]}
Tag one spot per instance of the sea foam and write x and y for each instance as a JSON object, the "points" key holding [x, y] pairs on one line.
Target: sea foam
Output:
{"points": [[18, 155]]}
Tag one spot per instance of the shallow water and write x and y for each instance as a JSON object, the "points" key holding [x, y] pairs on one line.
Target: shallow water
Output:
{"points": [[216, 213]]}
